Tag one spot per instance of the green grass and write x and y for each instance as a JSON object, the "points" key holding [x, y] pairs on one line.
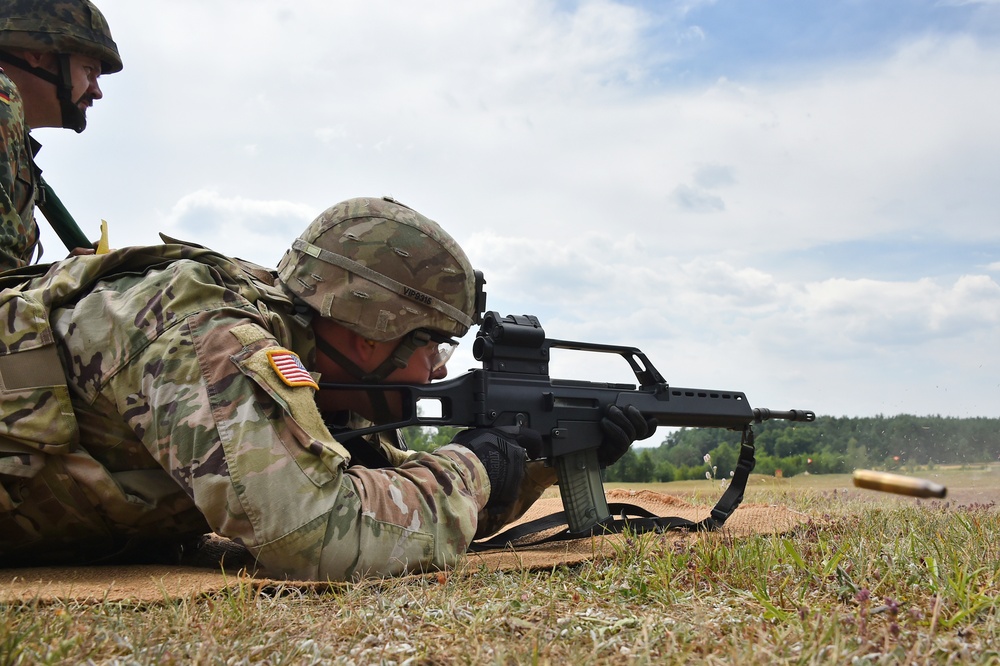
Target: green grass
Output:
{"points": [[873, 579]]}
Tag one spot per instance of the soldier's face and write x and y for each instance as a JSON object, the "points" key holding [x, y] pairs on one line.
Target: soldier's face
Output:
{"points": [[85, 70], [43, 109], [424, 366], [426, 363]]}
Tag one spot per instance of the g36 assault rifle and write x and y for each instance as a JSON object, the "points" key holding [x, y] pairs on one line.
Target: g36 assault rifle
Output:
{"points": [[513, 388]]}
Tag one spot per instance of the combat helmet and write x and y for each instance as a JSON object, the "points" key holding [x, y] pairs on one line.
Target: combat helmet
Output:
{"points": [[385, 272], [63, 27]]}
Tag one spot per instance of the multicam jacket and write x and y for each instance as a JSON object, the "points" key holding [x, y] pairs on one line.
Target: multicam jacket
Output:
{"points": [[152, 407], [18, 231]]}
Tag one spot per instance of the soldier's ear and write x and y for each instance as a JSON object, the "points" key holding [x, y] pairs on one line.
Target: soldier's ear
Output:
{"points": [[362, 347], [37, 58]]}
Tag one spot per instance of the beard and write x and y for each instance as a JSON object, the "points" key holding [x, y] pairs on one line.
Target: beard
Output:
{"points": [[74, 116]]}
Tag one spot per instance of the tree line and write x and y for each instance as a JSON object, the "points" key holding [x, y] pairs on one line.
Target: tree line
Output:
{"points": [[829, 445]]}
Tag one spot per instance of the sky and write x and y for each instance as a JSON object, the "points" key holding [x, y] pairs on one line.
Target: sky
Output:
{"points": [[796, 200]]}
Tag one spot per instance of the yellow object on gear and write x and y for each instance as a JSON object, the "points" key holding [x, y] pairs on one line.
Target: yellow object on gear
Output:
{"points": [[102, 245]]}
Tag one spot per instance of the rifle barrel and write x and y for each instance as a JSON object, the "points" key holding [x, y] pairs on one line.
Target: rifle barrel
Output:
{"points": [[761, 414]]}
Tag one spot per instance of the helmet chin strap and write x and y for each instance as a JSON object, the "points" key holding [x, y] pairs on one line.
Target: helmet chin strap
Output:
{"points": [[73, 117], [399, 358]]}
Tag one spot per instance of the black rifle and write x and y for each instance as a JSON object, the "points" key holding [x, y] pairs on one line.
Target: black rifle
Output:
{"points": [[513, 388]]}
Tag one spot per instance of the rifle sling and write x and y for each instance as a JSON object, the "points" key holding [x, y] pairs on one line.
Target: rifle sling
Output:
{"points": [[633, 518]]}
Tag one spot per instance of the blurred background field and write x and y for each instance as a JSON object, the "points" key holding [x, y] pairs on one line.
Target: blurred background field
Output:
{"points": [[974, 484]]}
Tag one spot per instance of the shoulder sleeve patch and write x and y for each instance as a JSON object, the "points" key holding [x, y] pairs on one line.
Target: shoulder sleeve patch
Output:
{"points": [[289, 368], [296, 401]]}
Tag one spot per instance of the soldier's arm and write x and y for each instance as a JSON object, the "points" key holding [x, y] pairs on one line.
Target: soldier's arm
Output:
{"points": [[258, 462]]}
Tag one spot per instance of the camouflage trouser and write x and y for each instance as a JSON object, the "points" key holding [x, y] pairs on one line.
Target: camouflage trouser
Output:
{"points": [[47, 517]]}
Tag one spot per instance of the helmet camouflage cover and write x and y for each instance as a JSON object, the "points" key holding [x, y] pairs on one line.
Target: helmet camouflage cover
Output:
{"points": [[60, 26], [382, 270]]}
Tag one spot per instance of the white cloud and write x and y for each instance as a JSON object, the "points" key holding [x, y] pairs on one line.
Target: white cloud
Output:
{"points": [[236, 225]]}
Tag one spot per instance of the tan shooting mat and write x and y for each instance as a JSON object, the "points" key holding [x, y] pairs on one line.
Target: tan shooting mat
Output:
{"points": [[747, 520], [153, 583]]}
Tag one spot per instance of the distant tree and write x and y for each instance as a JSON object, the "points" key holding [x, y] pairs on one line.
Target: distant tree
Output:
{"points": [[856, 456], [725, 457], [794, 441], [832, 444], [841, 444], [428, 438], [664, 472]]}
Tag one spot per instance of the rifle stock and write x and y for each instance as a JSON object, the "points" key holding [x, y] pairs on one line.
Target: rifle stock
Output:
{"points": [[513, 388]]}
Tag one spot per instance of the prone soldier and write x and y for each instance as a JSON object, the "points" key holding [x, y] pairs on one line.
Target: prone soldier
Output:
{"points": [[154, 394]]}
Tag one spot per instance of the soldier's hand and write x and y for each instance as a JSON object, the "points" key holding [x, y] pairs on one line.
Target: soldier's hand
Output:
{"points": [[503, 452], [622, 428], [502, 456]]}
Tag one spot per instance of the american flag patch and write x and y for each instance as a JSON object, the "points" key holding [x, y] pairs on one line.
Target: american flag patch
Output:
{"points": [[290, 368]]}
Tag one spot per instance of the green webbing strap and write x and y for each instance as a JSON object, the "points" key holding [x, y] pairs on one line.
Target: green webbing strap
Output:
{"points": [[62, 222]]}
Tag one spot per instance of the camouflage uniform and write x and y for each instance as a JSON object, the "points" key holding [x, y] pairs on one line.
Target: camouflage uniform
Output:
{"points": [[175, 422], [62, 27], [18, 231]]}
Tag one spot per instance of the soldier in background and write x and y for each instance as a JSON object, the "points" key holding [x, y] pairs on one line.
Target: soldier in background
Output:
{"points": [[175, 394], [51, 54]]}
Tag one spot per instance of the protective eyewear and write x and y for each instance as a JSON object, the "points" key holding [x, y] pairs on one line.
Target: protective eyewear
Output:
{"points": [[445, 349], [442, 355]]}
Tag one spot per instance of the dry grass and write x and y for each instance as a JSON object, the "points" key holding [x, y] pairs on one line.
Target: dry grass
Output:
{"points": [[874, 580]]}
